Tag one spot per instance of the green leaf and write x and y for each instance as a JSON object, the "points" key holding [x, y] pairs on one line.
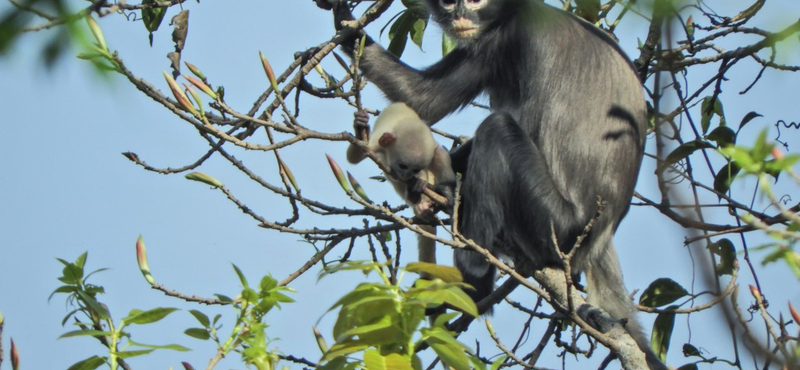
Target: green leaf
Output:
{"points": [[441, 320], [340, 363], [662, 333], [173, 347], [418, 30], [448, 44], [201, 318], [90, 363], [267, 283], [747, 118], [398, 33], [198, 333], [129, 354], [437, 293], [725, 177], [93, 305], [80, 333], [344, 349], [152, 17], [72, 273], [685, 150], [206, 179], [726, 252], [240, 275], [661, 292], [149, 316], [393, 361], [761, 148], [723, 136], [688, 367], [690, 351], [775, 166], [448, 274], [364, 266], [498, 362], [379, 332], [711, 106], [742, 158], [447, 348]]}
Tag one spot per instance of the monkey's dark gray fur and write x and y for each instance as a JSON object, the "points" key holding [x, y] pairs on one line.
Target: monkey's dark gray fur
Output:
{"points": [[568, 125]]}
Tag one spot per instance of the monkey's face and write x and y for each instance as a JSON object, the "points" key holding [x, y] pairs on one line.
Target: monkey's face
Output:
{"points": [[408, 158], [406, 172], [464, 20]]}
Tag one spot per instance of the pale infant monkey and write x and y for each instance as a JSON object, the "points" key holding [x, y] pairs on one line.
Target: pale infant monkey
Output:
{"points": [[404, 142]]}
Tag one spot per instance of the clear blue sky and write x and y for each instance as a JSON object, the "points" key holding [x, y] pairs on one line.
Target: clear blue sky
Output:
{"points": [[66, 189]]}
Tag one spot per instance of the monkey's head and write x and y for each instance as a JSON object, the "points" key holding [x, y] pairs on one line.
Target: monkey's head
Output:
{"points": [[408, 150], [466, 20]]}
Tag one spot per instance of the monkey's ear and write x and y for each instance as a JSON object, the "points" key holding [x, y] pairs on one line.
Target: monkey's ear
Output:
{"points": [[387, 139]]}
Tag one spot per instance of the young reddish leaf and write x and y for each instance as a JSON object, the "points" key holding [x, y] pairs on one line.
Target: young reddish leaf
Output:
{"points": [[357, 187], [289, 175], [141, 258], [795, 314], [179, 95], [14, 356], [196, 98], [337, 171], [777, 153], [270, 75], [202, 86], [195, 71], [756, 293], [187, 366]]}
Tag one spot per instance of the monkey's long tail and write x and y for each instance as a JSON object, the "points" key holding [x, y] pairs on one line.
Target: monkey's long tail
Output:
{"points": [[427, 247], [606, 290]]}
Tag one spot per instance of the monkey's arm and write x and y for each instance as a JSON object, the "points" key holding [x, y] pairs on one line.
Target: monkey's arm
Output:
{"points": [[441, 169], [361, 129], [442, 88]]}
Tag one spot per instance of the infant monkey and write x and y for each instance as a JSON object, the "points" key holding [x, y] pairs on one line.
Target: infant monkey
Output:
{"points": [[404, 142]]}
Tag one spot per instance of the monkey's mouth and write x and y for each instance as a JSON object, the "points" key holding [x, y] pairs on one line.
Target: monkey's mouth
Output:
{"points": [[464, 32]]}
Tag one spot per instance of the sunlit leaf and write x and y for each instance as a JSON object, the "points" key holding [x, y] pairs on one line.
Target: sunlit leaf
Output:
{"points": [[661, 292], [448, 274], [149, 316], [393, 361], [90, 363], [662, 333]]}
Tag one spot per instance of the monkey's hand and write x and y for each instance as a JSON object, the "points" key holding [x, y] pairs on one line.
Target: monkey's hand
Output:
{"points": [[361, 125], [446, 190], [425, 209], [324, 4]]}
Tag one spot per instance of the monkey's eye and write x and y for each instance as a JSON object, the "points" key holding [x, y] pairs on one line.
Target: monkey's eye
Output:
{"points": [[417, 170], [402, 166], [447, 4], [475, 4]]}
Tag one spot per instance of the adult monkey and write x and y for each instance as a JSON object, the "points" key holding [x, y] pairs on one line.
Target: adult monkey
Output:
{"points": [[568, 125]]}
